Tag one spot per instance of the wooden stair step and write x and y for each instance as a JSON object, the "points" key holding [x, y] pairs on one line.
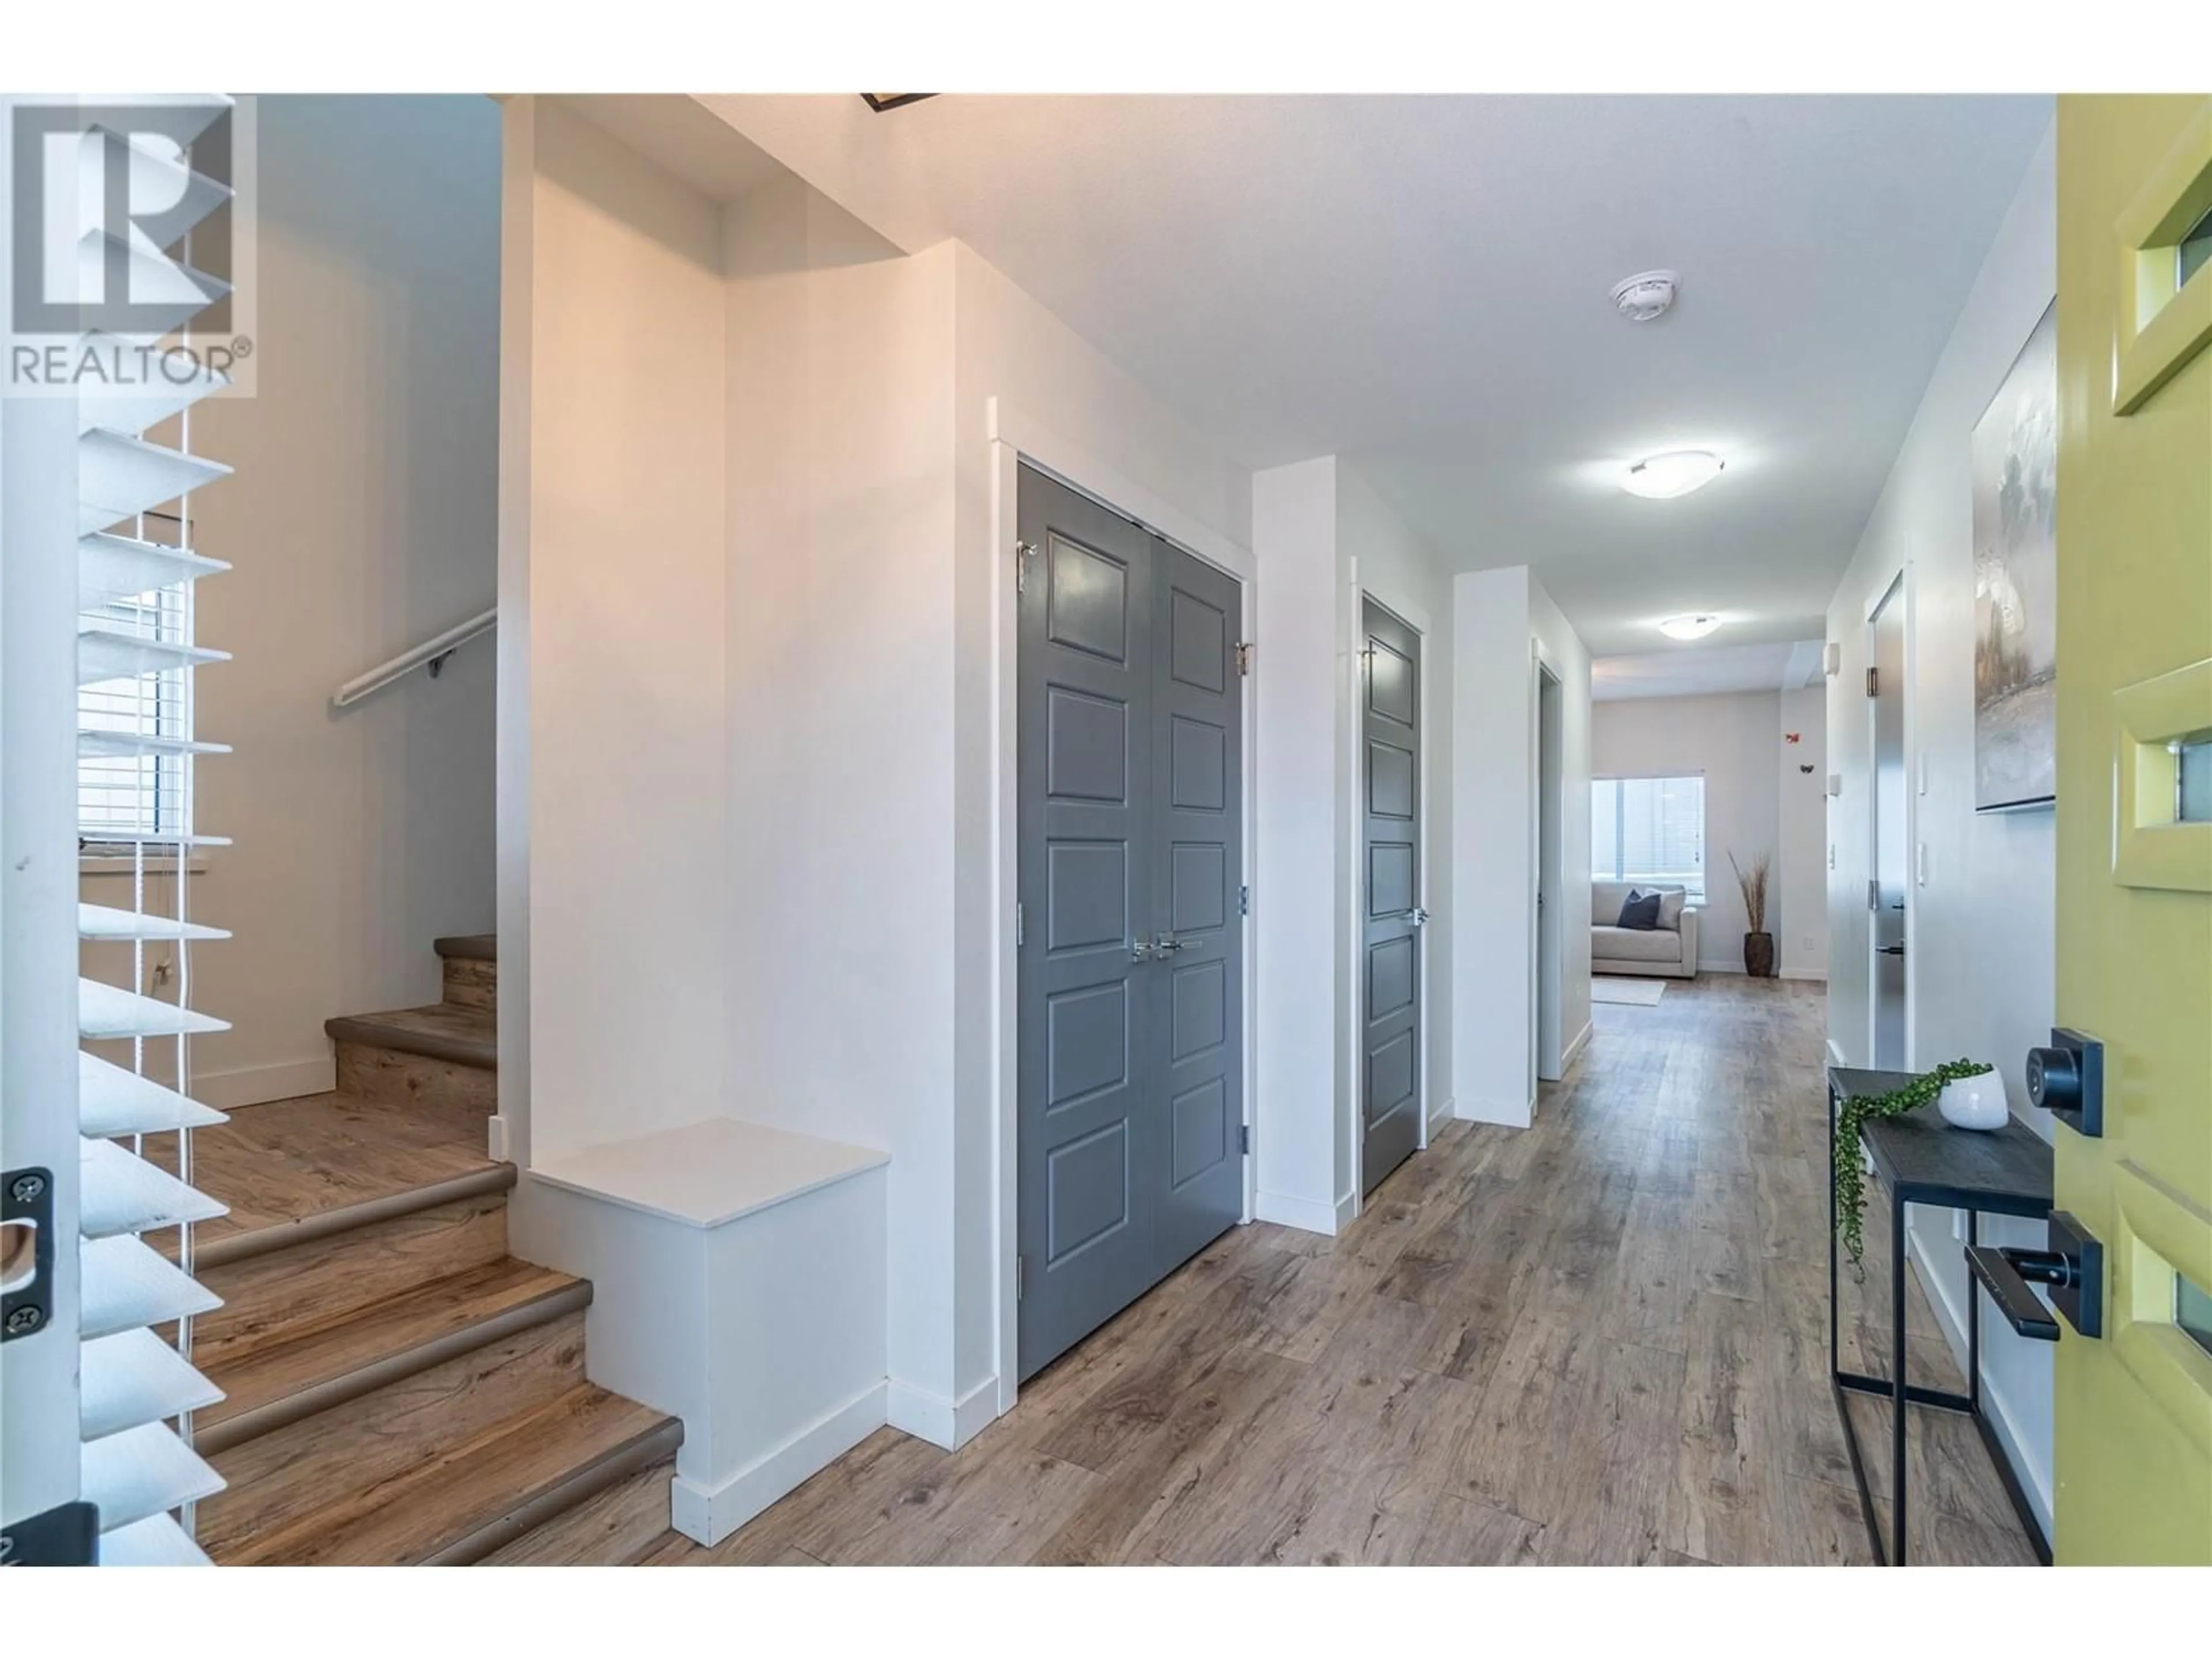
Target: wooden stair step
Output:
{"points": [[468, 969], [295, 1171], [465, 1036], [618, 1527], [464, 1503], [378, 1344]]}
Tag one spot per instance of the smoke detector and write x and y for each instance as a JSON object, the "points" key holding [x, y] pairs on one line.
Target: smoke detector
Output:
{"points": [[1646, 294]]}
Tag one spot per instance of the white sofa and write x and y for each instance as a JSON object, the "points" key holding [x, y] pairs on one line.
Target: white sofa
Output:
{"points": [[1668, 952]]}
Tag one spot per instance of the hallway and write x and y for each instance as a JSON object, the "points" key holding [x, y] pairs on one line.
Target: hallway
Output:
{"points": [[1598, 1341]]}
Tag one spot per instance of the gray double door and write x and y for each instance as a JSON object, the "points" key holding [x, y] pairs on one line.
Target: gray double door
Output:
{"points": [[1391, 916], [1130, 992]]}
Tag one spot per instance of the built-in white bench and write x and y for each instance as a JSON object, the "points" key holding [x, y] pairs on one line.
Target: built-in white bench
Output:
{"points": [[739, 1277]]}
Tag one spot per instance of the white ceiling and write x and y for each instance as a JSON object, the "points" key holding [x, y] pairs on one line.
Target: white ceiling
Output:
{"points": [[1694, 670], [1420, 284]]}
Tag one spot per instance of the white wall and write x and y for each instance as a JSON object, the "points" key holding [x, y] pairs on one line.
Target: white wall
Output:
{"points": [[1504, 623], [1301, 884], [361, 521], [1734, 742], [612, 570], [840, 617], [1980, 926], [1800, 890]]}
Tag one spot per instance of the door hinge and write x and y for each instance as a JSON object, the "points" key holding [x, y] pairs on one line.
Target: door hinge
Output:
{"points": [[1245, 649], [1873, 893], [1244, 900], [1244, 1138], [1021, 1276], [1019, 927], [1874, 681], [1024, 551]]}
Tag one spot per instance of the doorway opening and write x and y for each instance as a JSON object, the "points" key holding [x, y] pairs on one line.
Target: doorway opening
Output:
{"points": [[1889, 1040], [1547, 1026]]}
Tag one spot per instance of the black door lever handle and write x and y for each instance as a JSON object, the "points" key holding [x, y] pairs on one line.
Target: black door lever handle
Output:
{"points": [[1997, 1272]]}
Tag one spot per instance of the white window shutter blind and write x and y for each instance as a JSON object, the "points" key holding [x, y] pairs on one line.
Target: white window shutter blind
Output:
{"points": [[137, 657]]}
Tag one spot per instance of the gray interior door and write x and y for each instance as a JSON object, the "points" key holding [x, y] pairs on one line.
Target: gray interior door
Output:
{"points": [[1129, 1096], [1391, 916], [1893, 851], [1198, 747]]}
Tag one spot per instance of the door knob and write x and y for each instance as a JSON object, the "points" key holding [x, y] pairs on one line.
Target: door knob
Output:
{"points": [[2067, 1079], [1889, 950], [1417, 916], [1166, 944], [1140, 951]]}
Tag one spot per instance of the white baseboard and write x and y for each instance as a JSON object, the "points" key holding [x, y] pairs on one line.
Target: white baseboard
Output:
{"points": [[1514, 1114], [1306, 1214], [709, 1516], [1439, 1113], [1720, 967], [950, 1424], [1347, 1210], [1574, 1048], [1818, 974], [1836, 1054], [499, 1141], [251, 1085]]}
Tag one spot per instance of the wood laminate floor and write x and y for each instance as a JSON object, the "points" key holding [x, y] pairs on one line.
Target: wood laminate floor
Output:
{"points": [[1601, 1339]]}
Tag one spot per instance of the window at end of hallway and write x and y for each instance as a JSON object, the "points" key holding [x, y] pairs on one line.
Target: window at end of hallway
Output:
{"points": [[1650, 829]]}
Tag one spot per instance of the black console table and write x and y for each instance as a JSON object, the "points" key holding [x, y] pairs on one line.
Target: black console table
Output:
{"points": [[1923, 1160]]}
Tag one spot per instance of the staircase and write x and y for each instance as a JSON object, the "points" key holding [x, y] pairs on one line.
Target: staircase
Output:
{"points": [[398, 1389]]}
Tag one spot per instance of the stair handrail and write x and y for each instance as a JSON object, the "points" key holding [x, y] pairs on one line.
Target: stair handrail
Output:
{"points": [[432, 652]]}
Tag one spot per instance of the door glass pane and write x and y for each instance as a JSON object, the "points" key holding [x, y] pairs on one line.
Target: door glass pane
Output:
{"points": [[2193, 794], [2192, 1311], [2195, 250]]}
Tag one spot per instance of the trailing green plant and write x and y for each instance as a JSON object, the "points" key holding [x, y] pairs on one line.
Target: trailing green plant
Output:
{"points": [[1851, 1158]]}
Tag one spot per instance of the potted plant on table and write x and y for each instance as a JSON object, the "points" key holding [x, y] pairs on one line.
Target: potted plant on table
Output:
{"points": [[1758, 944]]}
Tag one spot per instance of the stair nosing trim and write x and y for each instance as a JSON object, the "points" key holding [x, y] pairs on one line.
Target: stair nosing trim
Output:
{"points": [[652, 1446], [327, 1224], [210, 1439], [426, 1045], [462, 947]]}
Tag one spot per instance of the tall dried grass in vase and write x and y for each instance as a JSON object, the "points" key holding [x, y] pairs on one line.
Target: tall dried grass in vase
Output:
{"points": [[1758, 943]]}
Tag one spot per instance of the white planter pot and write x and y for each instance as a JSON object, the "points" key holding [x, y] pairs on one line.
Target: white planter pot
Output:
{"points": [[1974, 1102]]}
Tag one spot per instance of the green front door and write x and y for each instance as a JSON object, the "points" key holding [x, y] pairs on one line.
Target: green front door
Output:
{"points": [[2134, 1405]]}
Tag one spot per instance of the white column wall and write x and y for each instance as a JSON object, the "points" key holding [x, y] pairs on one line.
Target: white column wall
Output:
{"points": [[1300, 889], [612, 567], [1504, 623]]}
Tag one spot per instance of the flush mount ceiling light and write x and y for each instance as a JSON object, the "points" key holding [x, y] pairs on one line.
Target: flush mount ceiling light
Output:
{"points": [[1689, 627], [1676, 473], [1646, 294]]}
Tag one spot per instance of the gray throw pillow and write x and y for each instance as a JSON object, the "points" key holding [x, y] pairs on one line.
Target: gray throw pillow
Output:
{"points": [[1641, 912]]}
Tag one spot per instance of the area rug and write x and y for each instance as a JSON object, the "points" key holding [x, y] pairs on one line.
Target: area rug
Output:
{"points": [[1638, 993]]}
